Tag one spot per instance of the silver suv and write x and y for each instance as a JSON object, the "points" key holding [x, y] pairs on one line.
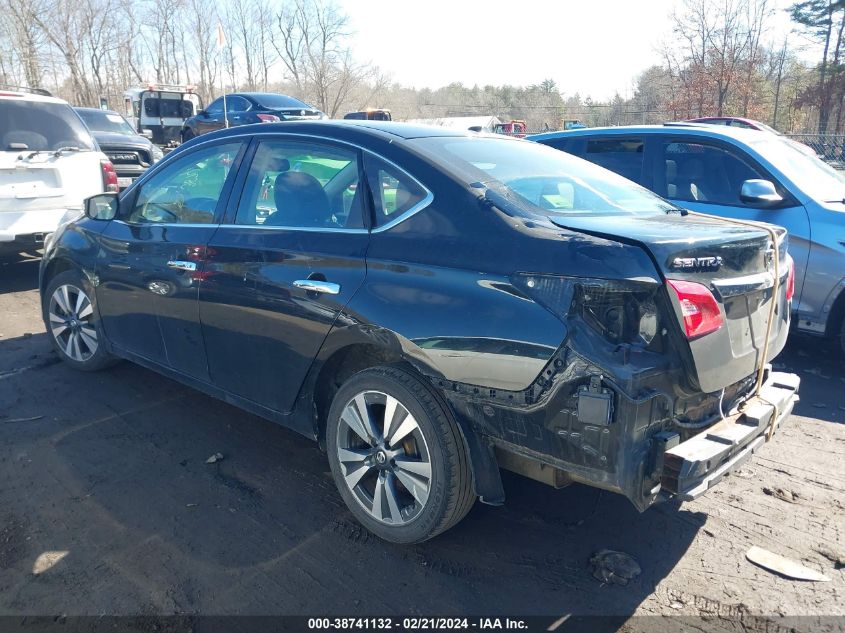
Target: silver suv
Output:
{"points": [[48, 165]]}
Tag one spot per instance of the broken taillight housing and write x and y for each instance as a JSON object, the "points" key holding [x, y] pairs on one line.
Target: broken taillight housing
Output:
{"points": [[622, 311], [700, 312]]}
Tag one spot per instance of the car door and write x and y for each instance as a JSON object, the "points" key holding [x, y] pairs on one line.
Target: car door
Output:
{"points": [[151, 258], [706, 176], [288, 258]]}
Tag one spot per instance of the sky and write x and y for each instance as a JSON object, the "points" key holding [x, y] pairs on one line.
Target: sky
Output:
{"points": [[592, 47]]}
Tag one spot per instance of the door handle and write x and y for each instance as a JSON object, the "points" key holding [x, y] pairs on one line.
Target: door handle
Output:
{"points": [[181, 265], [314, 285]]}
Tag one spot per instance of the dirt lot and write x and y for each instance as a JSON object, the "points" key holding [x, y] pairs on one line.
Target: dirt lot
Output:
{"points": [[107, 506]]}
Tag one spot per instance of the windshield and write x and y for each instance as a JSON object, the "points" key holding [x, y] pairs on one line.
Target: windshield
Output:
{"points": [[812, 175], [39, 125], [279, 101], [103, 121], [551, 181]]}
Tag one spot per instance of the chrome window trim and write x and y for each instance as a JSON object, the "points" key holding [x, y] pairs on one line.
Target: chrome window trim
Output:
{"points": [[422, 204]]}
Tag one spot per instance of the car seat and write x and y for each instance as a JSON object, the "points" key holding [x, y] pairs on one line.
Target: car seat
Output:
{"points": [[300, 201]]}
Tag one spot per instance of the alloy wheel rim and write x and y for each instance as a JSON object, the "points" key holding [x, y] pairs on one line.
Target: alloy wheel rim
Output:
{"points": [[71, 322], [384, 458]]}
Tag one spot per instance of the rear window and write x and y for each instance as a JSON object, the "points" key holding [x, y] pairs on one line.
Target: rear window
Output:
{"points": [[551, 181], [37, 125], [168, 108]]}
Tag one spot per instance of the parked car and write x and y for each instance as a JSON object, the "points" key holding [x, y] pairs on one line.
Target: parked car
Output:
{"points": [[432, 305], [130, 152], [751, 124], [49, 164], [714, 169], [371, 114], [243, 108]]}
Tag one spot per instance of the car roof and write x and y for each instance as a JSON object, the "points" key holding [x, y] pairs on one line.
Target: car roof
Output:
{"points": [[345, 129], [18, 95], [686, 127]]}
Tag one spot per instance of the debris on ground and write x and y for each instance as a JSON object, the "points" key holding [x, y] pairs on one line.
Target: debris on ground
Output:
{"points": [[783, 566], [614, 567], [191, 505], [783, 494], [214, 458]]}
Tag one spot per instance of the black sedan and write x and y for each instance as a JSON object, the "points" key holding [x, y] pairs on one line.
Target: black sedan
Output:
{"points": [[243, 108], [130, 153], [432, 306]]}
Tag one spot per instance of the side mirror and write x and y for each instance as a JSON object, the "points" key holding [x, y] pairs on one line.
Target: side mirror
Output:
{"points": [[147, 133], [103, 206], [760, 193]]}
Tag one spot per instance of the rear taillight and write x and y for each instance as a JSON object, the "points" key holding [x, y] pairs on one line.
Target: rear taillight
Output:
{"points": [[698, 307], [268, 118], [790, 278], [109, 176]]}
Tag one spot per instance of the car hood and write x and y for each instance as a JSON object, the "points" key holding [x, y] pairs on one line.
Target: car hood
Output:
{"points": [[110, 139]]}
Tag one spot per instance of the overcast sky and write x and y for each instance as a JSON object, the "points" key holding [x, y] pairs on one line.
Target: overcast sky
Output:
{"points": [[593, 47]]}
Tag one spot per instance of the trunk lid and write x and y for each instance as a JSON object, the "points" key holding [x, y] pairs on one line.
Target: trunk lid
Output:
{"points": [[736, 263]]}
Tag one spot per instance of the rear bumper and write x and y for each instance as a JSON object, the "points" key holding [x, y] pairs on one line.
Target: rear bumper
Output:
{"points": [[691, 468]]}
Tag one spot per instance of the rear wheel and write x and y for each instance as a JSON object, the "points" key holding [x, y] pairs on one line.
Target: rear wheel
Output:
{"points": [[397, 457], [70, 316]]}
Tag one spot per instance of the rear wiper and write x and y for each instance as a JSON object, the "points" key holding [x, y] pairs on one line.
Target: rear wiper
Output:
{"points": [[68, 148]]}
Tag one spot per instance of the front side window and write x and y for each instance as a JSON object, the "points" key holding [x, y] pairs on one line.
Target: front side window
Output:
{"points": [[188, 190], [622, 155], [302, 185], [394, 191], [216, 107], [698, 172], [237, 104], [538, 178]]}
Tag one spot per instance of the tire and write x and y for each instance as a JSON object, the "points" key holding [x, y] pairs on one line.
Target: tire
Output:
{"points": [[421, 472], [70, 315], [187, 135]]}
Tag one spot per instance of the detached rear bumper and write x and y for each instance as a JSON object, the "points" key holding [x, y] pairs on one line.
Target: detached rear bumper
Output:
{"points": [[693, 467]]}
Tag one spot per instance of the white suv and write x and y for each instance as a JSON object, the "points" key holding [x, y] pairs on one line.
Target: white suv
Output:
{"points": [[49, 164]]}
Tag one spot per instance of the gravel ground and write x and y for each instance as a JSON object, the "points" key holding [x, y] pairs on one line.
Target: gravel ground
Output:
{"points": [[107, 506]]}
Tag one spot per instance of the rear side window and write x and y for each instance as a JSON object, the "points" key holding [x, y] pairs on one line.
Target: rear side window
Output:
{"points": [[302, 185], [188, 190], [699, 172], [622, 155], [34, 125], [394, 191]]}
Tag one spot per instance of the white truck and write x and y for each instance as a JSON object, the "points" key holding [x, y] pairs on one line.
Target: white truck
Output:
{"points": [[158, 111]]}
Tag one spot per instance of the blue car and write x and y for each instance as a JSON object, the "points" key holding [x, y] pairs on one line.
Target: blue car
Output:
{"points": [[742, 174]]}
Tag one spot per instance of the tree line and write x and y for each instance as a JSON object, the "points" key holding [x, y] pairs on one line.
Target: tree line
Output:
{"points": [[717, 59]]}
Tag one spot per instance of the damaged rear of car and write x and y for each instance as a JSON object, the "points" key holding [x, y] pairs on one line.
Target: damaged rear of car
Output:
{"points": [[662, 383]]}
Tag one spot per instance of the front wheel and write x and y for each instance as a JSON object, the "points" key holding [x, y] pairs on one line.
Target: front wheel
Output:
{"points": [[397, 457], [187, 135], [842, 337], [70, 316]]}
